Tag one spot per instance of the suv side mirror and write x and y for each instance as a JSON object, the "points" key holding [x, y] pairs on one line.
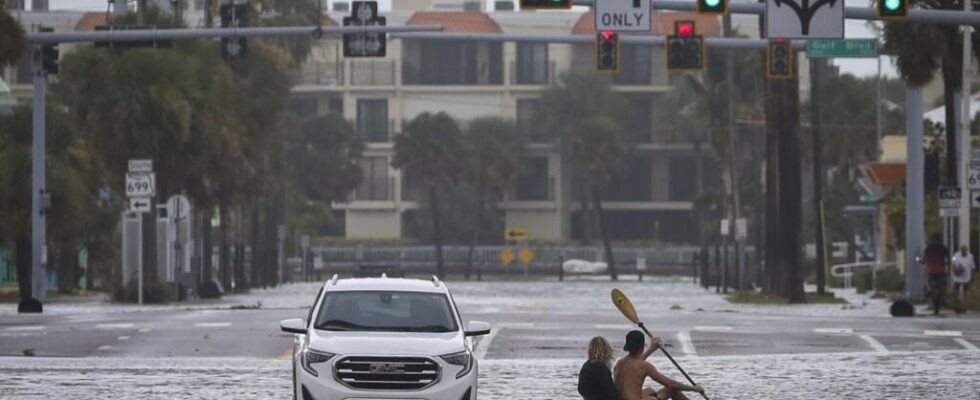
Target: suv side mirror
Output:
{"points": [[477, 328], [294, 325]]}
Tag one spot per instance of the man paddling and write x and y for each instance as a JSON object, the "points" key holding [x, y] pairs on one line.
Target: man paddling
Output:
{"points": [[631, 372]]}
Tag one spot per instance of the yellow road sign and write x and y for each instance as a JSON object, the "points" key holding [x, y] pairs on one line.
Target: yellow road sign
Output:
{"points": [[526, 256], [516, 234], [507, 257]]}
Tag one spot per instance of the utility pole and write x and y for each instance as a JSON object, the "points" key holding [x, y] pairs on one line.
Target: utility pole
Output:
{"points": [[914, 195], [38, 194], [817, 173], [733, 214], [964, 132]]}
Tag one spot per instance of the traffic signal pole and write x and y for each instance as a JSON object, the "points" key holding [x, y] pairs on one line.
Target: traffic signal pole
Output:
{"points": [[38, 234], [966, 97]]}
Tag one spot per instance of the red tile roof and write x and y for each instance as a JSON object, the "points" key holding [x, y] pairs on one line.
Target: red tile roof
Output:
{"points": [[660, 22], [885, 173], [456, 21], [90, 20]]}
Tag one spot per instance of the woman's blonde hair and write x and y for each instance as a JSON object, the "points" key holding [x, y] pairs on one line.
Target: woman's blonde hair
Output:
{"points": [[600, 350]]}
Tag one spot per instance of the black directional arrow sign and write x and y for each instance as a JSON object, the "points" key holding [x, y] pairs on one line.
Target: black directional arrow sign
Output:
{"points": [[365, 13], [805, 19]]}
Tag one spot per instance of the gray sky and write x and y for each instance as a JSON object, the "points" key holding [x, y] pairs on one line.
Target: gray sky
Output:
{"points": [[852, 29]]}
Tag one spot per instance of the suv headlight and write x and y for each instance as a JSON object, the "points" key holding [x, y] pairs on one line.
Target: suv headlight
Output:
{"points": [[463, 359], [310, 357]]}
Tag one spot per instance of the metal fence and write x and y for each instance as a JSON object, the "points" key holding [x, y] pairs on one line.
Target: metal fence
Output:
{"points": [[547, 259]]}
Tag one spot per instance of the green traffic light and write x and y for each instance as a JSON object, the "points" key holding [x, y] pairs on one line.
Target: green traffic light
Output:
{"points": [[715, 3], [893, 5]]}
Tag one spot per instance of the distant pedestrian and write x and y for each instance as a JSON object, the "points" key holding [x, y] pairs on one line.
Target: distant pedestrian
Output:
{"points": [[963, 266], [595, 380], [936, 260]]}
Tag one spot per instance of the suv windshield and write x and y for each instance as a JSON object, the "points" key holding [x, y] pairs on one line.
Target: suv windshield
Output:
{"points": [[386, 311]]}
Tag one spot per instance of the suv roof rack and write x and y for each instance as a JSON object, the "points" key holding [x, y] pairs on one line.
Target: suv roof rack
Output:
{"points": [[333, 281], [435, 281]]}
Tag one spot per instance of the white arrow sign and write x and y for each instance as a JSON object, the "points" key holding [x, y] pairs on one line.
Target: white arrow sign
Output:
{"points": [[622, 15], [139, 205]]}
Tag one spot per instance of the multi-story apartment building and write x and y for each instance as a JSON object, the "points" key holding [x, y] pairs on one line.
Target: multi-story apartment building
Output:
{"points": [[651, 199]]}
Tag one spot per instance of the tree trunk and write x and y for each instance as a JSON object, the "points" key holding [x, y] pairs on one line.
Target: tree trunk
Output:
{"points": [[206, 246], [481, 207], [436, 233], [587, 228], [224, 258], [950, 87], [603, 232], [256, 255], [67, 257]]}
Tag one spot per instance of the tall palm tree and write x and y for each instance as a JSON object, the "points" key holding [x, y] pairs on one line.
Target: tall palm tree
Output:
{"points": [[11, 37], [599, 149], [431, 150], [921, 50], [495, 148]]}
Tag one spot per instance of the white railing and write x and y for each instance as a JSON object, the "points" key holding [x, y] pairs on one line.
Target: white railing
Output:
{"points": [[846, 271]]}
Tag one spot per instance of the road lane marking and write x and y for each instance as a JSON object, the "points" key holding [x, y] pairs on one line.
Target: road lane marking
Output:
{"points": [[106, 347], [212, 324], [713, 328], [965, 344], [123, 338], [484, 344], [614, 327], [25, 328], [144, 330], [944, 333], [834, 331], [687, 346], [115, 326], [875, 344]]}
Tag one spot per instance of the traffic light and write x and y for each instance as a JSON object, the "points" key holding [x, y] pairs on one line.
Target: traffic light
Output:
{"points": [[685, 50], [607, 51], [712, 6], [49, 55], [233, 16], [779, 59], [546, 4], [893, 9]]}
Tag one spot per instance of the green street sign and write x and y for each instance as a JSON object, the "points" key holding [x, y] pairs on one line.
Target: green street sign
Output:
{"points": [[842, 48]]}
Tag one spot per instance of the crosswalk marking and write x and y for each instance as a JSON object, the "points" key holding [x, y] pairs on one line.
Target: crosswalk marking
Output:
{"points": [[212, 324], [966, 345], [713, 328], [103, 348], [944, 333], [834, 331], [687, 346], [25, 328], [875, 344], [123, 338]]}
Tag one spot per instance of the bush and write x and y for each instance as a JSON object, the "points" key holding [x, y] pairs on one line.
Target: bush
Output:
{"points": [[153, 293], [889, 280]]}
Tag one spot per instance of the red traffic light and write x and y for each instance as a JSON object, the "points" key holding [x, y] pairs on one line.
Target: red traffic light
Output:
{"points": [[607, 35], [684, 29]]}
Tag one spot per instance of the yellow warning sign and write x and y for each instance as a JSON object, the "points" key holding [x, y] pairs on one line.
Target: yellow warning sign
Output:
{"points": [[507, 256], [526, 256]]}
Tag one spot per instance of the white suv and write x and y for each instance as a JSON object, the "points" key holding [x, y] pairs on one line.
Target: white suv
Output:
{"points": [[381, 338]]}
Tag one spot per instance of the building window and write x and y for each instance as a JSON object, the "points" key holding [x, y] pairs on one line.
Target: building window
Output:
{"points": [[532, 63], [375, 183], [682, 187], [534, 182], [453, 63], [637, 62], [527, 125], [304, 108], [372, 119]]}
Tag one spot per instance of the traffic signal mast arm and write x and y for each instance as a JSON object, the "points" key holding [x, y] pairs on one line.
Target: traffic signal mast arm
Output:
{"points": [[177, 34], [942, 17]]}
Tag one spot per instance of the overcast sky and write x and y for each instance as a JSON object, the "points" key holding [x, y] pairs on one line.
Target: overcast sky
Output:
{"points": [[852, 28]]}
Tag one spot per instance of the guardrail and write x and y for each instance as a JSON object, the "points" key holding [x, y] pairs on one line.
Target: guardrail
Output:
{"points": [[846, 271]]}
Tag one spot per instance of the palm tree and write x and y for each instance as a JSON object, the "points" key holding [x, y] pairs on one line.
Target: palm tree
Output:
{"points": [[565, 107], [921, 50], [599, 148], [495, 148], [11, 37], [431, 150]]}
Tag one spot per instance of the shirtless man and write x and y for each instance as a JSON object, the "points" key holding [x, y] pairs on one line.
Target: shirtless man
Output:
{"points": [[631, 371]]}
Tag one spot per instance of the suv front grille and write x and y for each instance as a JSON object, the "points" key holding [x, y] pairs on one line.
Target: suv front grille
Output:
{"points": [[387, 372]]}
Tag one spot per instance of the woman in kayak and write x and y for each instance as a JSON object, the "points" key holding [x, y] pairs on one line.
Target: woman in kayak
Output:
{"points": [[595, 380]]}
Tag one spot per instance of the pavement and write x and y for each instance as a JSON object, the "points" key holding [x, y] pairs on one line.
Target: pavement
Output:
{"points": [[540, 331]]}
